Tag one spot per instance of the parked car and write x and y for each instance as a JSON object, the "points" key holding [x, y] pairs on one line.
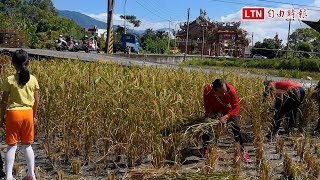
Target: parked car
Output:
{"points": [[225, 56], [258, 56]]}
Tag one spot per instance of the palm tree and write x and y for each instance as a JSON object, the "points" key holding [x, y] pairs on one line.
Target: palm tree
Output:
{"points": [[160, 34]]}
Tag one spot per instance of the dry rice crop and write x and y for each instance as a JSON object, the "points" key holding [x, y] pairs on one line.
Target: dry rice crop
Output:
{"points": [[90, 111]]}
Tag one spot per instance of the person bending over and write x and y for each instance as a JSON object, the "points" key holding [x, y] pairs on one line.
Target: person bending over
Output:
{"points": [[221, 98], [288, 98]]}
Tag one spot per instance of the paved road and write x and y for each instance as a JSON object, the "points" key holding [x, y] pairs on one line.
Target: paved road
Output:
{"points": [[127, 61]]}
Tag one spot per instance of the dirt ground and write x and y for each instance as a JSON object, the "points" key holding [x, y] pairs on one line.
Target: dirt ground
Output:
{"points": [[117, 167]]}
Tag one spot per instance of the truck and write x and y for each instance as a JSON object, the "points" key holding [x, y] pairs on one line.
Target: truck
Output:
{"points": [[128, 43]]}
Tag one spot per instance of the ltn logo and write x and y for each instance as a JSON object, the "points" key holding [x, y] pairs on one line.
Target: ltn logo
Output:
{"points": [[253, 13]]}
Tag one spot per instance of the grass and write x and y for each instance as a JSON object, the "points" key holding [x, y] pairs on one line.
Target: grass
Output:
{"points": [[90, 111], [289, 68]]}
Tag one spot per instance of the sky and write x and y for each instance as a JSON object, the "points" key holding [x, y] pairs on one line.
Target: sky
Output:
{"points": [[156, 14]]}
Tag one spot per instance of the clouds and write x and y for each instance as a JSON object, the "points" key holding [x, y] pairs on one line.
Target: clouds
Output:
{"points": [[261, 29], [270, 27], [316, 3], [145, 24]]}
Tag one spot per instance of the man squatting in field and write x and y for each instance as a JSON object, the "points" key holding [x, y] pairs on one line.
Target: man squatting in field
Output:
{"points": [[288, 98], [221, 98]]}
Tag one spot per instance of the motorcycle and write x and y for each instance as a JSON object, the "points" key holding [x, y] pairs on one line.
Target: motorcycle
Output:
{"points": [[73, 46], [77, 47], [70, 45], [92, 45], [61, 46]]}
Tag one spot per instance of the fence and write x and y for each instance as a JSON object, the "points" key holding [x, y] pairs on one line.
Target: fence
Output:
{"points": [[11, 39]]}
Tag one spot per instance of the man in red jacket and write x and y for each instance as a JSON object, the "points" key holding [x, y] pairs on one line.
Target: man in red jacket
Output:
{"points": [[221, 98]]}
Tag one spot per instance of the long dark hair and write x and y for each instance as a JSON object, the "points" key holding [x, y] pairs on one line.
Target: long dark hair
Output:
{"points": [[21, 59]]}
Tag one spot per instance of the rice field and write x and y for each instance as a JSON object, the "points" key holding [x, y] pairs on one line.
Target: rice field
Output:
{"points": [[93, 116]]}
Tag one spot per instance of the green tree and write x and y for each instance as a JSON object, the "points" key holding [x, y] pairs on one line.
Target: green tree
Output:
{"points": [[148, 34], [46, 5], [266, 47], [121, 29], [37, 20], [304, 46], [161, 34], [154, 41], [118, 33], [303, 34], [131, 19]]}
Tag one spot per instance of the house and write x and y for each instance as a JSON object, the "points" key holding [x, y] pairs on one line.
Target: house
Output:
{"points": [[247, 52], [93, 31]]}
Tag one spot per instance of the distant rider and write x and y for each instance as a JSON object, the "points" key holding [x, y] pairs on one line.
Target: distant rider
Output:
{"points": [[85, 39], [61, 40]]}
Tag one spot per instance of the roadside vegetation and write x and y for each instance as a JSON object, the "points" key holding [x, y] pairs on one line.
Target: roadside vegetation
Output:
{"points": [[266, 72], [296, 68], [38, 22]]}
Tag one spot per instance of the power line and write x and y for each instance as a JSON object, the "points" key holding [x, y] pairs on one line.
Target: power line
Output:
{"points": [[251, 4], [156, 9], [279, 2], [151, 11], [233, 2], [167, 10]]}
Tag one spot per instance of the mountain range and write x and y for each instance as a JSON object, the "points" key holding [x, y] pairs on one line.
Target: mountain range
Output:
{"points": [[86, 21]]}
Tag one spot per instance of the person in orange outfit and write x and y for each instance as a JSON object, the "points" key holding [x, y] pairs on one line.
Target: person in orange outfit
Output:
{"points": [[289, 96], [221, 98], [18, 113]]}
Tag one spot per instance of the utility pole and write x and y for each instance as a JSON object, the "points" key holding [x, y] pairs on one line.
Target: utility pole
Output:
{"points": [[186, 48], [252, 40], [109, 41], [169, 35], [288, 38], [125, 18], [203, 26], [175, 35]]}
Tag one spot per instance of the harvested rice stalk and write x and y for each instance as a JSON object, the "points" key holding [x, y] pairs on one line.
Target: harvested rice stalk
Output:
{"points": [[211, 123], [279, 146], [211, 159], [237, 160], [210, 126], [287, 165], [76, 166], [60, 175], [264, 170]]}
